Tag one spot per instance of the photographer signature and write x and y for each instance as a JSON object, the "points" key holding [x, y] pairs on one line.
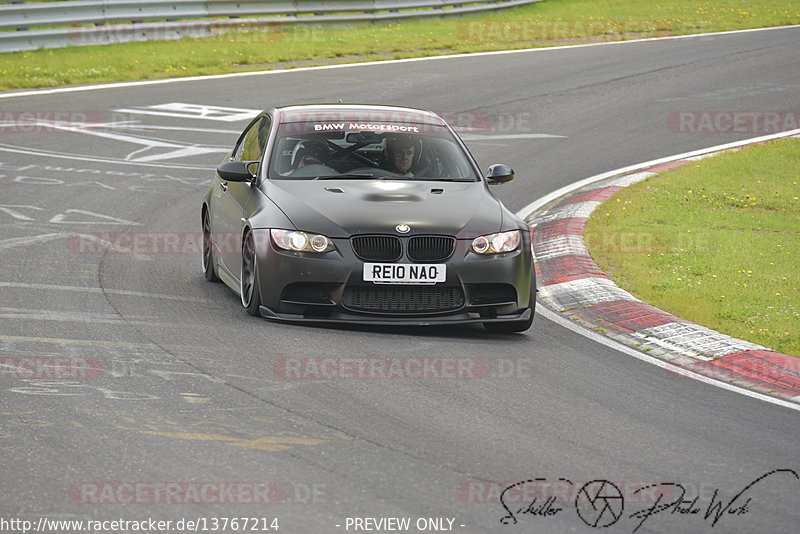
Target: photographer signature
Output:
{"points": [[600, 503]]}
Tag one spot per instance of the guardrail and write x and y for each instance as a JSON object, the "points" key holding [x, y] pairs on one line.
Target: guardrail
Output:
{"points": [[31, 25]]}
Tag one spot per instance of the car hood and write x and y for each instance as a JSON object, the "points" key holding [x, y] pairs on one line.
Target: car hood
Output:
{"points": [[342, 208]]}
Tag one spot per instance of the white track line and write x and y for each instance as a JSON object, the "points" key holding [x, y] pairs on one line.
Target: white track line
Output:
{"points": [[78, 157]]}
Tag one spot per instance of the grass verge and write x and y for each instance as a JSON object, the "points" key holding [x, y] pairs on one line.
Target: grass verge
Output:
{"points": [[548, 23], [715, 241]]}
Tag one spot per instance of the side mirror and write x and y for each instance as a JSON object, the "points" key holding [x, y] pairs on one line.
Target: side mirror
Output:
{"points": [[237, 171], [499, 174]]}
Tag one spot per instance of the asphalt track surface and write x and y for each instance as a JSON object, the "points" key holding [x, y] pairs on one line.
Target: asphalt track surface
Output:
{"points": [[189, 392]]}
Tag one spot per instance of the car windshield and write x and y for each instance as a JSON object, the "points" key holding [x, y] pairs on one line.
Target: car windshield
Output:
{"points": [[349, 150]]}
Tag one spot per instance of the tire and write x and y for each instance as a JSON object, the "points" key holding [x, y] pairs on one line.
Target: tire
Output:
{"points": [[209, 262], [514, 326], [249, 285]]}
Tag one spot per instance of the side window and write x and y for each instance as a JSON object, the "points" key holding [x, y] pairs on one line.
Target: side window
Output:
{"points": [[251, 145]]}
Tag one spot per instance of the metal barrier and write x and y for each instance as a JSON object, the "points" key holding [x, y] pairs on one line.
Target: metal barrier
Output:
{"points": [[31, 25]]}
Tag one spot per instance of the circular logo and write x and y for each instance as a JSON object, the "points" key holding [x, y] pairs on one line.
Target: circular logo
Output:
{"points": [[403, 228], [599, 503]]}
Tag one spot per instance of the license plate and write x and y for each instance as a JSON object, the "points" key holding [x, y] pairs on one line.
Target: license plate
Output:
{"points": [[404, 273]]}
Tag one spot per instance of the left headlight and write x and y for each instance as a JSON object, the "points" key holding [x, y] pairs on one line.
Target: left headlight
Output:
{"points": [[496, 243], [297, 241]]}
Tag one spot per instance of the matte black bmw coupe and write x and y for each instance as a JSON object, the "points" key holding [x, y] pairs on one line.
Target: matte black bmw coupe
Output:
{"points": [[365, 214]]}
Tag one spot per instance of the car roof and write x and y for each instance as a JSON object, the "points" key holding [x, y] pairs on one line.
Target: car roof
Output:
{"points": [[355, 112]]}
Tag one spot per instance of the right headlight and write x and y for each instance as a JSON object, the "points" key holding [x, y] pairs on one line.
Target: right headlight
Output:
{"points": [[496, 243], [301, 241]]}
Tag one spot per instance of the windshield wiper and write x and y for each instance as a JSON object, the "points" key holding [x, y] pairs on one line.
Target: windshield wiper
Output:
{"points": [[346, 176]]}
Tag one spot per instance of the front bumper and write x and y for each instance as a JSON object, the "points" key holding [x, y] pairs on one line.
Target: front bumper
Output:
{"points": [[343, 317], [329, 287]]}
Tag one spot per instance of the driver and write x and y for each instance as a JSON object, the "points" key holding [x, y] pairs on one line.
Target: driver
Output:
{"points": [[400, 150], [310, 152]]}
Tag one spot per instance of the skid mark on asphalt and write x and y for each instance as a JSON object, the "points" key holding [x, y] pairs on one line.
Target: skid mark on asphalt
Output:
{"points": [[264, 443], [27, 423], [120, 362], [13, 242], [71, 269], [174, 150], [277, 443], [62, 388], [81, 157], [67, 216], [246, 432], [84, 289], [22, 419], [194, 398], [250, 432], [143, 376], [63, 341], [131, 375], [72, 316], [121, 359]]}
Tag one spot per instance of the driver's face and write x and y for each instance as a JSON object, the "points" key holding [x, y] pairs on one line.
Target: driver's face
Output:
{"points": [[403, 158]]}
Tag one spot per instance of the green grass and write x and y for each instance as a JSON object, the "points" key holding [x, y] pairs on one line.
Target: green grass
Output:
{"points": [[548, 23], [716, 242]]}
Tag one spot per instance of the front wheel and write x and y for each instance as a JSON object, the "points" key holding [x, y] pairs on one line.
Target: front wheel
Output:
{"points": [[209, 262], [250, 288]]}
